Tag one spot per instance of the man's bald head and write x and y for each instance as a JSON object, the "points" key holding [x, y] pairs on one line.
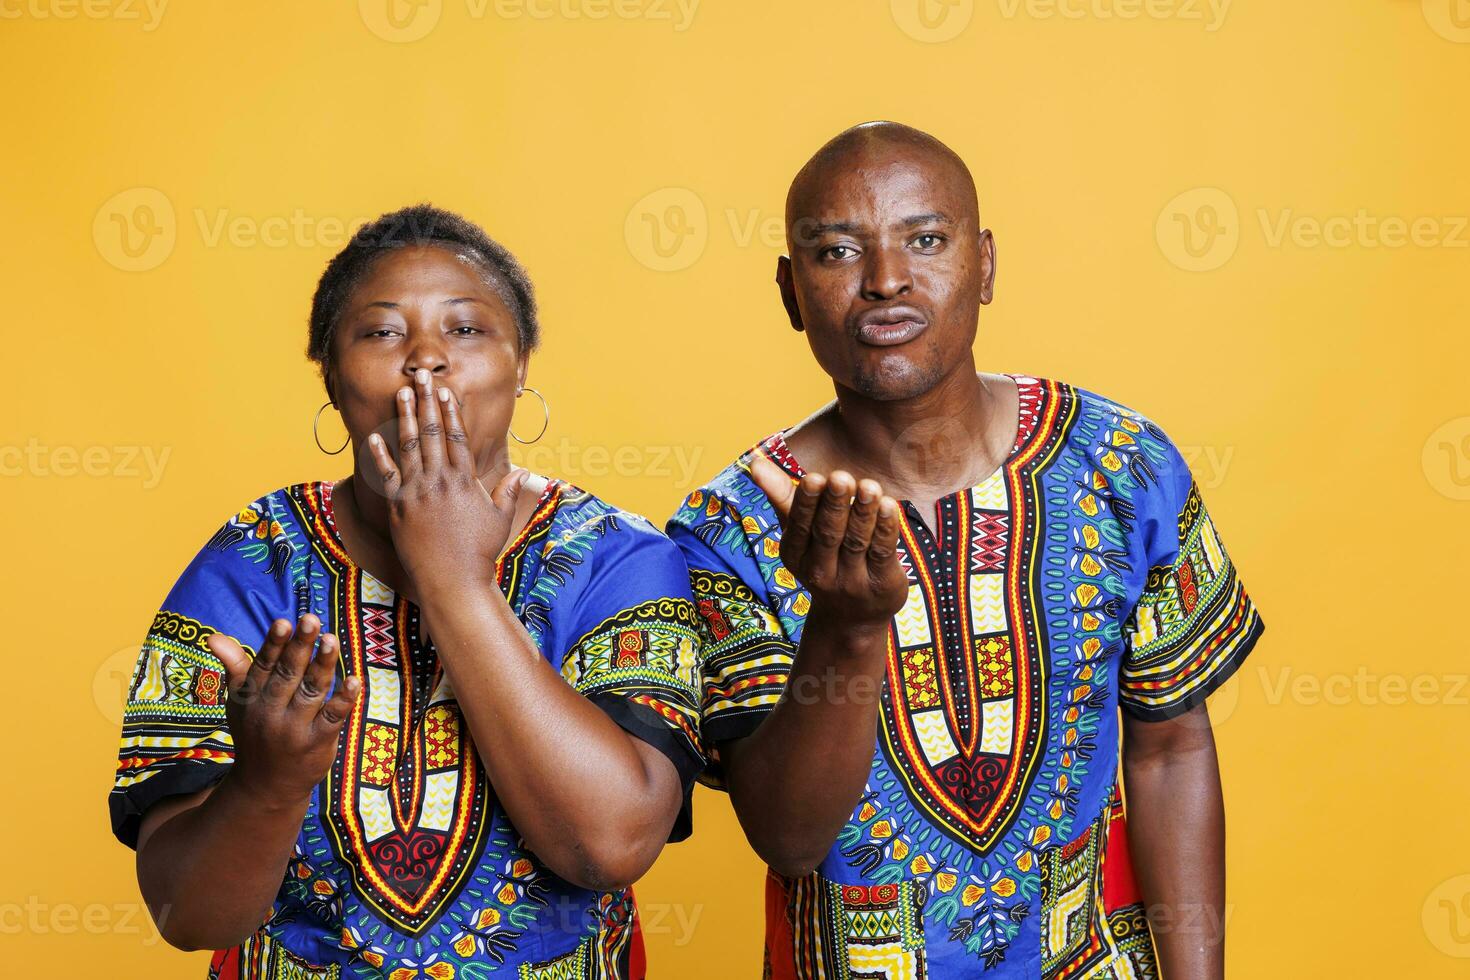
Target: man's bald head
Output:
{"points": [[873, 145], [888, 265]]}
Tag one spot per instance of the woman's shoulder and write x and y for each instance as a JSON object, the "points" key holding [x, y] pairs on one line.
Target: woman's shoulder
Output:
{"points": [[580, 513]]}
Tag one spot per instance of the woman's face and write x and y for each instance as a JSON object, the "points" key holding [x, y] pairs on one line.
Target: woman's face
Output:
{"points": [[425, 307]]}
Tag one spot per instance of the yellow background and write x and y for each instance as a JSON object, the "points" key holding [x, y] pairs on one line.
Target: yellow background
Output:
{"points": [[1320, 387]]}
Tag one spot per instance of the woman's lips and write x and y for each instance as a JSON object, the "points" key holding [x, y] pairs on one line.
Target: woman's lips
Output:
{"points": [[890, 334]]}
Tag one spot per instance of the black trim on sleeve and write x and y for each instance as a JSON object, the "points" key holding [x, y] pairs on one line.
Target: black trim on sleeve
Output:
{"points": [[1198, 695], [128, 805]]}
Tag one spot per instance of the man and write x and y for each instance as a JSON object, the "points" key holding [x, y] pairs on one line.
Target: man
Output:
{"points": [[913, 679]]}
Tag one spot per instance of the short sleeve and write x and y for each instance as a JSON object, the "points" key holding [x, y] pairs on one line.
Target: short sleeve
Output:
{"points": [[1194, 623], [174, 737], [746, 652], [635, 645]]}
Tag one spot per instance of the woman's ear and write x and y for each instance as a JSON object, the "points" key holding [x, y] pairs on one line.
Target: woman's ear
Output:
{"points": [[523, 367]]}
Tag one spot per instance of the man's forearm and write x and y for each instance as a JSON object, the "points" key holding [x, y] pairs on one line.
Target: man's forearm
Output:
{"points": [[795, 780], [1176, 831]]}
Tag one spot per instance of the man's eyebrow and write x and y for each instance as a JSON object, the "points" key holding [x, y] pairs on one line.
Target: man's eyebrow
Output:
{"points": [[829, 227], [933, 217]]}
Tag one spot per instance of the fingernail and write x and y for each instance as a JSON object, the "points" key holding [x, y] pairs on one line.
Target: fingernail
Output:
{"points": [[404, 394], [375, 440], [422, 376], [444, 395]]}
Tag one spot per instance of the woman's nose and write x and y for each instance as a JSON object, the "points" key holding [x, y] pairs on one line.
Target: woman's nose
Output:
{"points": [[429, 356]]}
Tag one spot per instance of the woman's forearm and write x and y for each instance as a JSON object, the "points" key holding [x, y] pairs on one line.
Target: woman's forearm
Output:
{"points": [[593, 802], [1176, 833], [211, 871], [795, 780]]}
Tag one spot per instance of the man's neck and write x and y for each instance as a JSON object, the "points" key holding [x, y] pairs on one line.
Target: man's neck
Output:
{"points": [[921, 448]]}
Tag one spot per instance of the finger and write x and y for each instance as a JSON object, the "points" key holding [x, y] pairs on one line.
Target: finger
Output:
{"points": [[334, 712], [317, 680], [778, 487], [508, 491], [388, 473], [233, 656], [796, 531], [456, 440], [829, 527], [265, 660], [431, 424], [883, 544], [860, 522], [291, 664], [410, 462]]}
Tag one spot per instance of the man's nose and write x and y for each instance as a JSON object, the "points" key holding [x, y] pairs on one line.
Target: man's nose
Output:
{"points": [[886, 274]]}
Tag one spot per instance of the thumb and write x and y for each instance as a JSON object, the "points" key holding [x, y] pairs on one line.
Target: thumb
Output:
{"points": [[774, 483], [508, 490], [232, 655]]}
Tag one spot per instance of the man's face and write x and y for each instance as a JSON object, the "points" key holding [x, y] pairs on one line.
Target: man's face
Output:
{"points": [[888, 269]]}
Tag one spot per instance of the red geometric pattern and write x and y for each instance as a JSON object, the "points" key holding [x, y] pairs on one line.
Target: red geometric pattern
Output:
{"points": [[991, 530], [377, 635]]}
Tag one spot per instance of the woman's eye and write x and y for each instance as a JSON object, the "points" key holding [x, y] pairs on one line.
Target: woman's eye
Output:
{"points": [[381, 332], [465, 329]]}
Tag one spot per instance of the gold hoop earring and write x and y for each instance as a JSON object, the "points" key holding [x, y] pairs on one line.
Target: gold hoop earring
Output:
{"points": [[315, 422], [545, 411]]}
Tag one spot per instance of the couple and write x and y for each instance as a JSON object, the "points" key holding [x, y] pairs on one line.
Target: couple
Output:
{"points": [[434, 720]]}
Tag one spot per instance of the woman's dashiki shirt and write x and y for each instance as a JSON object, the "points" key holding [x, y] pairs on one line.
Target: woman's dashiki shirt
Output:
{"points": [[1083, 576], [406, 866]]}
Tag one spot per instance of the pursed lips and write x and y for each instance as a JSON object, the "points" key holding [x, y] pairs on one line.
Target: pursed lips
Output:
{"points": [[890, 327]]}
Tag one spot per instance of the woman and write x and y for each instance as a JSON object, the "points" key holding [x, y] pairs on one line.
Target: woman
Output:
{"points": [[481, 727]]}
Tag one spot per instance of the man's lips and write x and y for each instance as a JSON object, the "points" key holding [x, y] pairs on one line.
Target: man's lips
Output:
{"points": [[890, 327]]}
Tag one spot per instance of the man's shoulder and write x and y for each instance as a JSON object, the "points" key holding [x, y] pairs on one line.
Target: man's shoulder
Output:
{"points": [[730, 492]]}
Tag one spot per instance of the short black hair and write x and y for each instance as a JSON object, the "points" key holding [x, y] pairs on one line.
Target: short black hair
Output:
{"points": [[420, 224]]}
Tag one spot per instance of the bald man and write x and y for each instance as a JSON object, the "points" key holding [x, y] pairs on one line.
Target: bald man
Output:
{"points": [[924, 607]]}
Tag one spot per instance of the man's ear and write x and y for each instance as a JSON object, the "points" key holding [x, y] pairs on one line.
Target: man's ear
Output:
{"points": [[788, 293], [987, 267]]}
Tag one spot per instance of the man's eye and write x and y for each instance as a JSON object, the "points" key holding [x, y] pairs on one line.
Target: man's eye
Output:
{"points": [[928, 241], [838, 252]]}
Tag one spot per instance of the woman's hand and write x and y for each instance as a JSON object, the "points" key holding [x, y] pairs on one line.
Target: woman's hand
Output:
{"points": [[447, 529], [284, 726], [843, 551]]}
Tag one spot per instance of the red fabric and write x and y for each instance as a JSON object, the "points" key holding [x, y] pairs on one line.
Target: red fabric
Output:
{"points": [[780, 943], [1120, 888]]}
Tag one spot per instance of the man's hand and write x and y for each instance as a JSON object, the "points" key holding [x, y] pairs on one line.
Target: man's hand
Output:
{"points": [[839, 538]]}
